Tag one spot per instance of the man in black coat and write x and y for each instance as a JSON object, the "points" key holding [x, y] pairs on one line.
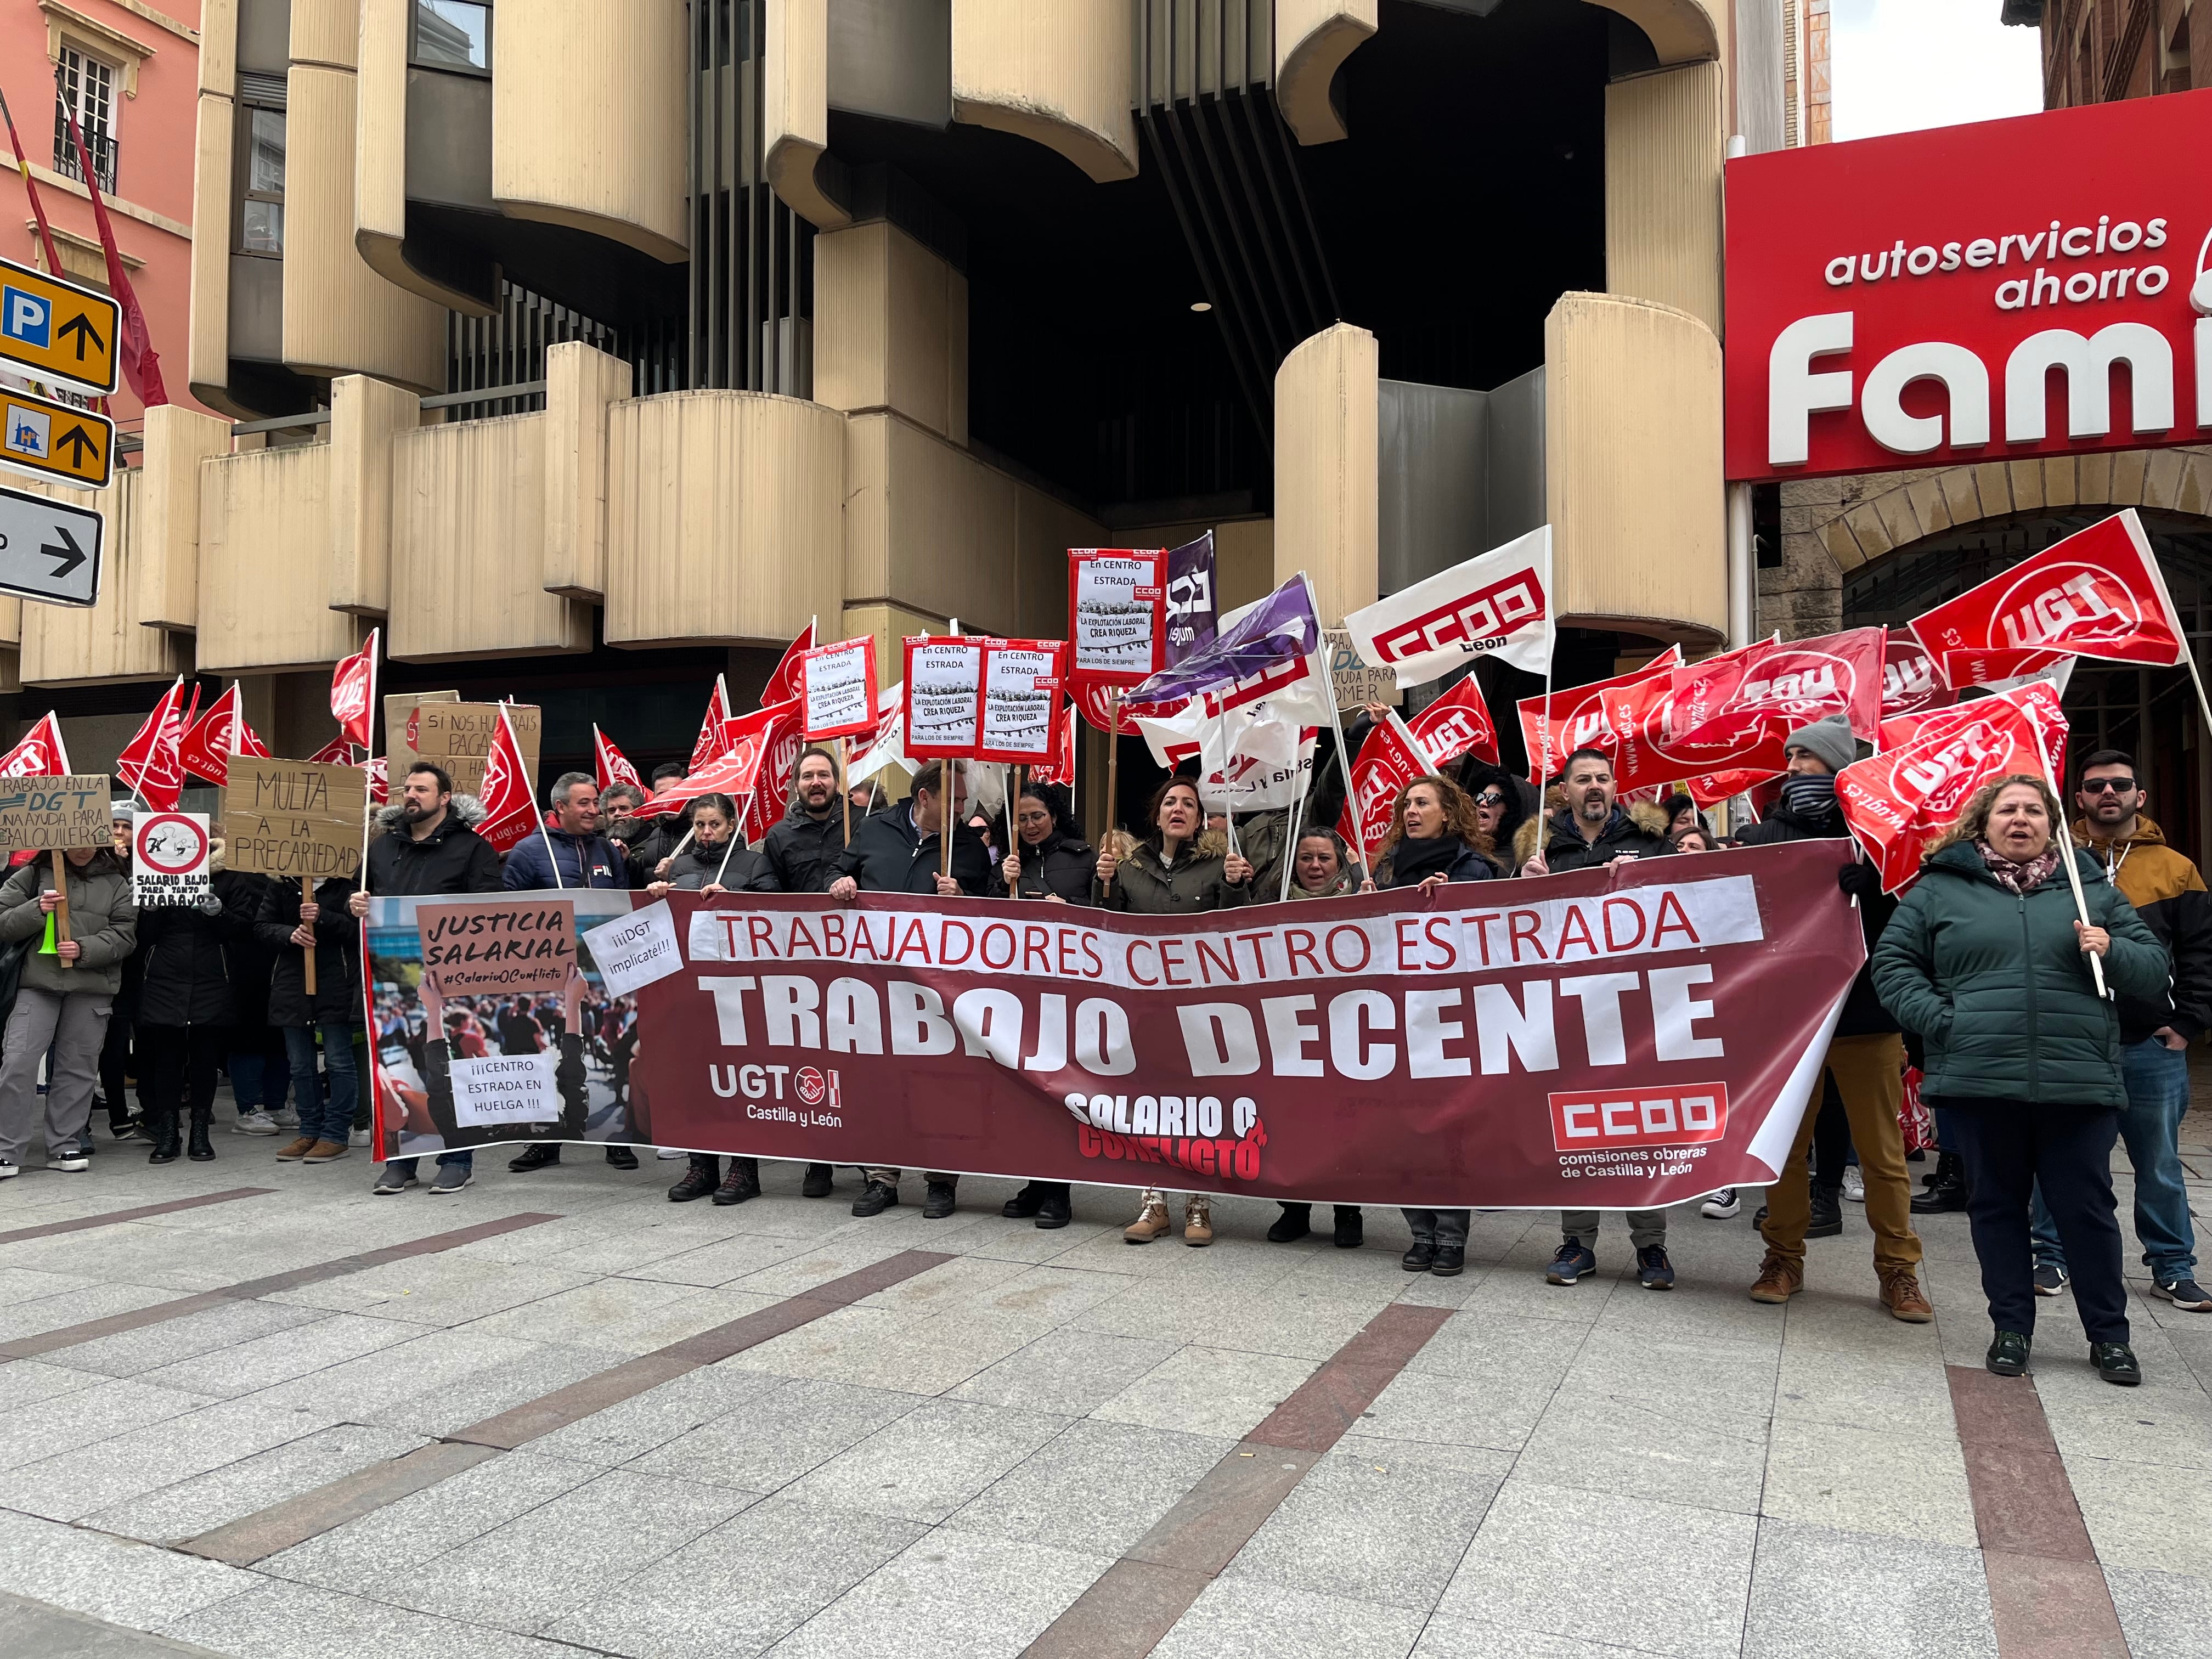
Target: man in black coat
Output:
{"points": [[289, 924], [1865, 1060], [429, 849], [650, 841], [898, 851], [802, 849], [1593, 830]]}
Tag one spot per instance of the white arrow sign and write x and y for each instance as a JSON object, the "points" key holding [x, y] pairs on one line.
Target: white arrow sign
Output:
{"points": [[48, 550]]}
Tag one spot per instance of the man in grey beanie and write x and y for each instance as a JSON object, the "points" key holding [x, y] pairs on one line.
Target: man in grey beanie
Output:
{"points": [[1865, 1060]]}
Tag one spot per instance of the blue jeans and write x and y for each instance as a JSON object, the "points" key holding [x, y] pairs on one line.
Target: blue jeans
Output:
{"points": [[255, 1083], [2157, 1079], [326, 1119]]}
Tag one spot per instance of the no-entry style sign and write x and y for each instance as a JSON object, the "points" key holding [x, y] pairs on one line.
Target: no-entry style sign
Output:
{"points": [[48, 550], [56, 330]]}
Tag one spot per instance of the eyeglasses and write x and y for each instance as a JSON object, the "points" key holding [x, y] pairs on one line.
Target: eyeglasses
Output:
{"points": [[2098, 785]]}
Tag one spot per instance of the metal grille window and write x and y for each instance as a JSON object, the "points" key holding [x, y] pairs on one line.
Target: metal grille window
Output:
{"points": [[261, 203], [453, 34], [85, 86]]}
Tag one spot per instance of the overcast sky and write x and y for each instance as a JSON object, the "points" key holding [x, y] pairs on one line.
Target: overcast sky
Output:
{"points": [[1901, 64]]}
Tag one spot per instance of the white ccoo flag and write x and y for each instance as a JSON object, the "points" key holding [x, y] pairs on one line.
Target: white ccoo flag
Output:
{"points": [[1496, 605]]}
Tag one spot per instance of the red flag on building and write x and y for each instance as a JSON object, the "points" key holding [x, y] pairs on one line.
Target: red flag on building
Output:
{"points": [[713, 740], [1457, 723], [509, 813], [216, 736], [38, 753], [1900, 802], [609, 765], [1390, 759], [783, 684], [2097, 594], [353, 692], [151, 762], [141, 366]]}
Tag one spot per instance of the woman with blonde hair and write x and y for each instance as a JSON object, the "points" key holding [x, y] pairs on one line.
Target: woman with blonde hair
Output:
{"points": [[1988, 958]]}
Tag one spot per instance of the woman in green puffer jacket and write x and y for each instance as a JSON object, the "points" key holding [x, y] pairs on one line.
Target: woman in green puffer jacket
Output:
{"points": [[1988, 960]]}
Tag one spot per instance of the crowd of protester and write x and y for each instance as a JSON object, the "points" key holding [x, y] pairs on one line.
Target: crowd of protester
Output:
{"points": [[1982, 980]]}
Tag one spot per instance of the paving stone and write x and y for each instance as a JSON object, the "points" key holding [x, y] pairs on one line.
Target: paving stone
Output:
{"points": [[742, 1587], [39, 1314], [631, 1428], [870, 1347], [1709, 1457], [721, 1261], [292, 1621], [1229, 1316], [965, 1595], [35, 1628], [1460, 1638], [111, 1578], [314, 1344], [433, 1289], [1096, 1487], [2142, 1515], [2165, 1615], [26, 1382], [766, 1440], [1208, 1391], [250, 1485], [930, 1462], [1256, 1618], [1906, 1396], [1864, 1481], [485, 1393], [1528, 1568], [1069, 1372], [73, 1483], [1821, 1594], [1460, 1411]]}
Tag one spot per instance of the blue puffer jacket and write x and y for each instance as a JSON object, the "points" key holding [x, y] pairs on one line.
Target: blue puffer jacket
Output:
{"points": [[586, 861]]}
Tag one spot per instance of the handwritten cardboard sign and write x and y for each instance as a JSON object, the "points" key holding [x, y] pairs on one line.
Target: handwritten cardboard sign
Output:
{"points": [[498, 946], [457, 736], [1357, 683], [294, 819], [46, 812]]}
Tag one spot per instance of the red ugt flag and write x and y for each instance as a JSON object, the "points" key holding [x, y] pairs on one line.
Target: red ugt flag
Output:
{"points": [[40, 754], [783, 684], [1899, 803], [1389, 760], [713, 740], [609, 763], [1457, 723], [510, 815], [2097, 593], [216, 737], [353, 690], [150, 762]]}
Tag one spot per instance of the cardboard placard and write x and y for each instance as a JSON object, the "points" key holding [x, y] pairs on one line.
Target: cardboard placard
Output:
{"points": [[46, 812], [455, 735], [294, 819], [839, 684], [1021, 696], [944, 697], [169, 858], [497, 946], [1358, 682]]}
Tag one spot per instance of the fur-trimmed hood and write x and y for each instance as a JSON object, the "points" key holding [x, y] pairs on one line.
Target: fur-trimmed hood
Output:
{"points": [[1211, 844], [1646, 815], [466, 808]]}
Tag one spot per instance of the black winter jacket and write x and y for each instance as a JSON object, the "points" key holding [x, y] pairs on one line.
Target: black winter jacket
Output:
{"points": [[337, 955], [1057, 866], [889, 855], [1564, 849], [802, 853], [187, 952], [452, 858], [697, 868], [1863, 1014], [646, 842]]}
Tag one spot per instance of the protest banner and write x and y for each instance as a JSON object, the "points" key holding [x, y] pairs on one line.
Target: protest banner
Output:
{"points": [[169, 858], [50, 813], [293, 818], [1116, 615], [838, 683], [483, 946], [1625, 1037], [1358, 682], [1021, 694], [1911, 681], [457, 736], [944, 697]]}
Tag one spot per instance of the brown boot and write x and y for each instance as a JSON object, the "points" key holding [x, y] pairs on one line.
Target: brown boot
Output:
{"points": [[1779, 1279], [1902, 1295], [1151, 1224], [324, 1150], [1198, 1222], [298, 1150]]}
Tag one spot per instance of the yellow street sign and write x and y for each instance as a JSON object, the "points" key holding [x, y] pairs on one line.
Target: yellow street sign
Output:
{"points": [[54, 442], [56, 330]]}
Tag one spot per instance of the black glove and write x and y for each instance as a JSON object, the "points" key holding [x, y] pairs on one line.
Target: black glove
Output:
{"points": [[1859, 879]]}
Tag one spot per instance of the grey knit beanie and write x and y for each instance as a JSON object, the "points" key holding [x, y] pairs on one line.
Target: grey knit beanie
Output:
{"points": [[1830, 739]]}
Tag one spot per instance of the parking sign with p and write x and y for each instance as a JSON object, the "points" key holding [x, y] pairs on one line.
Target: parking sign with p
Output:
{"points": [[56, 330]]}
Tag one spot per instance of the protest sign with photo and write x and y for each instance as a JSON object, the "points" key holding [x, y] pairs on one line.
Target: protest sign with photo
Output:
{"points": [[294, 819], [169, 858], [44, 813], [839, 684], [1021, 694], [1116, 613], [944, 697]]}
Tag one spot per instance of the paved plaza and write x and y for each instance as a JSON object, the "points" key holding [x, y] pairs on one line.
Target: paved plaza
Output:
{"points": [[558, 1415]]}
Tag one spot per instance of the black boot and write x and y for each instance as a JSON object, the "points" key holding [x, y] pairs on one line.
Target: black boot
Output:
{"points": [[1351, 1231], [621, 1158], [817, 1184], [197, 1147], [1422, 1256], [698, 1180], [1025, 1203], [1053, 1211], [161, 1130], [1947, 1188], [1295, 1223], [742, 1182], [1451, 1258], [544, 1153], [1827, 1213]]}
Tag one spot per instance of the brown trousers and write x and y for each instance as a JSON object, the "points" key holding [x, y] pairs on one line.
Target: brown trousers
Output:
{"points": [[1869, 1074]]}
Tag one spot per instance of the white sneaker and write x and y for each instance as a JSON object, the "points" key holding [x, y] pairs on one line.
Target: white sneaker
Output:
{"points": [[1854, 1184], [669, 1153], [1720, 1205], [359, 1138], [72, 1161], [7, 1169], [287, 1119], [257, 1123]]}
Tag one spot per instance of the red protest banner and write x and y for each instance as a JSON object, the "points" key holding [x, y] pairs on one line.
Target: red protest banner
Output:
{"points": [[1611, 1038], [1117, 615], [1457, 723], [1899, 803], [2097, 594], [1740, 706]]}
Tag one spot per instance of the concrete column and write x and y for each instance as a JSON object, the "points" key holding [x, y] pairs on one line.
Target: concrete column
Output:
{"points": [[1328, 516]]}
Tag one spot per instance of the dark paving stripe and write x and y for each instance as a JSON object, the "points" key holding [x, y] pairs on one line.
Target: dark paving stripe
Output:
{"points": [[243, 1541], [2046, 1591], [30, 1347], [83, 1223], [1128, 1609]]}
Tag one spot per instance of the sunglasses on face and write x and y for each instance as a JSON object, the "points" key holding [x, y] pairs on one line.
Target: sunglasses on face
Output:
{"points": [[2098, 785], [1488, 799]]}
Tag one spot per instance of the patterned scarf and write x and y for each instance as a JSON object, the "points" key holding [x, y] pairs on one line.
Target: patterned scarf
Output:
{"points": [[2020, 878]]}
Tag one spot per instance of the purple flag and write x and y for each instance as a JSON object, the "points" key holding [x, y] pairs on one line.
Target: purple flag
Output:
{"points": [[1190, 598], [1280, 627]]}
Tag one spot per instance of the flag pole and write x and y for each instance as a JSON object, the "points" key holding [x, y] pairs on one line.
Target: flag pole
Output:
{"points": [[845, 787], [1113, 759], [2062, 834], [530, 788], [368, 804], [1343, 759], [1015, 777], [61, 904]]}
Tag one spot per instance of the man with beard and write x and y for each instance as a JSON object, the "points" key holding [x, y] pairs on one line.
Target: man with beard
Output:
{"points": [[1865, 1061], [802, 849], [428, 848], [1594, 831]]}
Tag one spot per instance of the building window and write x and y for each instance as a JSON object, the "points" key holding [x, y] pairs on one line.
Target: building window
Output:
{"points": [[453, 34], [86, 88], [261, 203]]}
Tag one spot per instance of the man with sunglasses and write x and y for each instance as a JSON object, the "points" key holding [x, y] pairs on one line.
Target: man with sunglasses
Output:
{"points": [[2169, 895]]}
